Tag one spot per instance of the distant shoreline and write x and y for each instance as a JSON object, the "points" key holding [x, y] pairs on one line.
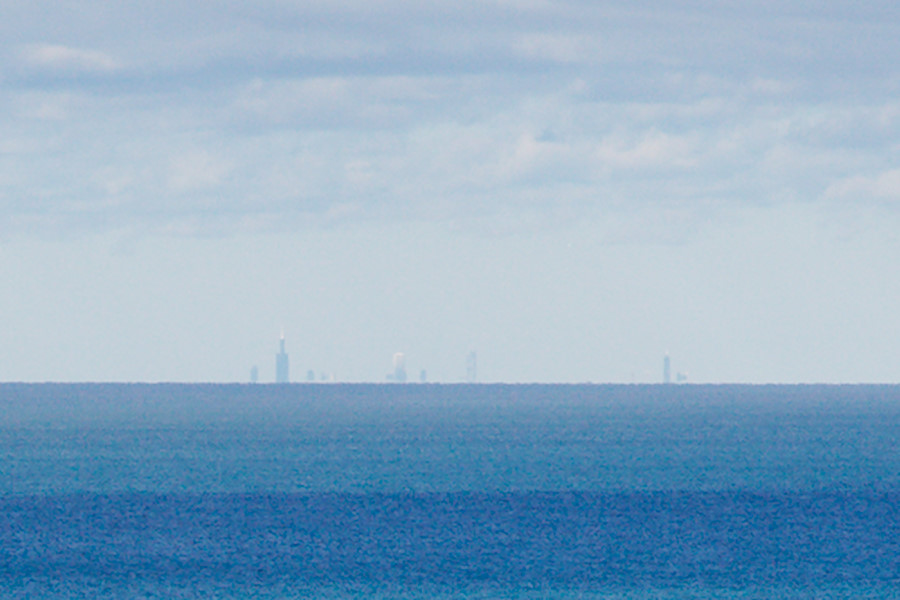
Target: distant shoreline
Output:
{"points": [[438, 384]]}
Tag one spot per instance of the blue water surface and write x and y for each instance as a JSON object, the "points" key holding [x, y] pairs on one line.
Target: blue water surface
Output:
{"points": [[170, 491]]}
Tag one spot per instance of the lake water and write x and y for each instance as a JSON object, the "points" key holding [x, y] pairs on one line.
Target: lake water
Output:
{"points": [[449, 491]]}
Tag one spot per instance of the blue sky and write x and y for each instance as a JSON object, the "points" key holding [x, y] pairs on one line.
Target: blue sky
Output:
{"points": [[568, 189]]}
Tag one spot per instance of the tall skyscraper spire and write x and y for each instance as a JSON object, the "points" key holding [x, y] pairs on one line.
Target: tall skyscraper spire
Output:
{"points": [[399, 374], [282, 365], [472, 367]]}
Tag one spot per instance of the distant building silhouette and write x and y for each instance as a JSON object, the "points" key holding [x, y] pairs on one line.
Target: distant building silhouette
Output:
{"points": [[399, 374], [254, 374], [667, 369], [282, 365], [310, 375], [423, 376], [472, 367]]}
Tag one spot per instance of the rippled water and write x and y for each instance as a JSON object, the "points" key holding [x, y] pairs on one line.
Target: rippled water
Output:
{"points": [[342, 491]]}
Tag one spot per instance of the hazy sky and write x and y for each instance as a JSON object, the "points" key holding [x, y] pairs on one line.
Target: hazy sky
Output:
{"points": [[571, 189]]}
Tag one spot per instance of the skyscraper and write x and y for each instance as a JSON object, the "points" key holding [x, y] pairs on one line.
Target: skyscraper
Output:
{"points": [[399, 374], [667, 369], [282, 366], [472, 368]]}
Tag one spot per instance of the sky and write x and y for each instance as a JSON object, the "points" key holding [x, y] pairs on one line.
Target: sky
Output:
{"points": [[569, 189]]}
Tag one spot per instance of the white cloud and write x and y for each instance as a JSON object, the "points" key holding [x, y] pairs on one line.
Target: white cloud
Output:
{"points": [[477, 113], [197, 170], [560, 47], [43, 106], [652, 150], [350, 102], [114, 181], [529, 157], [884, 186], [771, 86], [66, 58]]}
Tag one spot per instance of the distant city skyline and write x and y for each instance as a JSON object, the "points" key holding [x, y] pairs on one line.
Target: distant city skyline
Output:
{"points": [[399, 374]]}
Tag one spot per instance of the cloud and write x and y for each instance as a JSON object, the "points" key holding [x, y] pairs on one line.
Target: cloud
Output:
{"points": [[65, 58], [194, 171], [883, 186], [291, 112], [653, 150], [559, 47], [324, 103], [44, 107]]}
